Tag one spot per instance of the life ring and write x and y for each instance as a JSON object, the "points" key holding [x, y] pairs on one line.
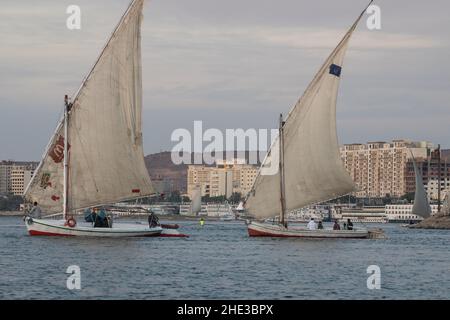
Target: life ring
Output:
{"points": [[71, 222]]}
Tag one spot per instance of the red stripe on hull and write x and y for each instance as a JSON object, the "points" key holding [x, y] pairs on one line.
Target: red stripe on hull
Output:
{"points": [[257, 233], [41, 233], [51, 234]]}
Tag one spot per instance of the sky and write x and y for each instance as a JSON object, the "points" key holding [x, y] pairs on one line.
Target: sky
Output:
{"points": [[231, 64]]}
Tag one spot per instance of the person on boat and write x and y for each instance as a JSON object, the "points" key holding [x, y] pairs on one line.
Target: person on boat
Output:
{"points": [[100, 219], [36, 211], [336, 225], [320, 225], [349, 225], [153, 220], [312, 225], [89, 216], [109, 219]]}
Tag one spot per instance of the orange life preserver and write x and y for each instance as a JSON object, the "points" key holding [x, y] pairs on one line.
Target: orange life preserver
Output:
{"points": [[71, 222]]}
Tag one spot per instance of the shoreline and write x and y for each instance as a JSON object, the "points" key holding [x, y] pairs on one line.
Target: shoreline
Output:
{"points": [[11, 213], [134, 216], [441, 222]]}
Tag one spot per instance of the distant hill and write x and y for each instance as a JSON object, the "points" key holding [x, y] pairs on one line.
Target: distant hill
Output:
{"points": [[167, 177]]}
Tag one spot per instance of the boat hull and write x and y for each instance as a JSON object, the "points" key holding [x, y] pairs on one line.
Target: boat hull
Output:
{"points": [[46, 227], [256, 229]]}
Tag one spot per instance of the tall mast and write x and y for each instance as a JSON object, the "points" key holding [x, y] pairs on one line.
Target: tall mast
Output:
{"points": [[281, 168], [439, 178], [66, 166]]}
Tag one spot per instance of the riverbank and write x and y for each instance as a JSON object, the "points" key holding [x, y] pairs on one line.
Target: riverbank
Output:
{"points": [[11, 213], [131, 216], [434, 222]]}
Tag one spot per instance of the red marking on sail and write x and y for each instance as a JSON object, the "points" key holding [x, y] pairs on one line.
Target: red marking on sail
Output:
{"points": [[55, 198], [57, 152], [136, 190]]}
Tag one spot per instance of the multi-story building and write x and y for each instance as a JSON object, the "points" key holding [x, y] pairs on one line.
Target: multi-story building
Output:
{"points": [[380, 168], [15, 175], [429, 166], [20, 177], [5, 174], [226, 178]]}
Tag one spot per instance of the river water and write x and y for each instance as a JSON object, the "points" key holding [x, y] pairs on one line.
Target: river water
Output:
{"points": [[219, 261]]}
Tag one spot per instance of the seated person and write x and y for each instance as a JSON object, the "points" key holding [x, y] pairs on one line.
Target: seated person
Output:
{"points": [[320, 225], [101, 221], [89, 216], [336, 225], [349, 225], [311, 225], [153, 220]]}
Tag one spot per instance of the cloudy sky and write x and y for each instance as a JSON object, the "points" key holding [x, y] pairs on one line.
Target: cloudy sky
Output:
{"points": [[232, 64]]}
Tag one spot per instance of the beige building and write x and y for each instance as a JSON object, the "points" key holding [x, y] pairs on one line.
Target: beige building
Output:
{"points": [[20, 177], [380, 168], [15, 175], [226, 178]]}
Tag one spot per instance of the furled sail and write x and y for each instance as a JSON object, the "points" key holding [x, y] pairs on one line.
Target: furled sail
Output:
{"points": [[196, 202], [421, 206], [313, 168], [446, 205], [106, 159]]}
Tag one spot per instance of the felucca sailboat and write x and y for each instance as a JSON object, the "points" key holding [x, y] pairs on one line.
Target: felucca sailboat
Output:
{"points": [[307, 151], [95, 157], [421, 207]]}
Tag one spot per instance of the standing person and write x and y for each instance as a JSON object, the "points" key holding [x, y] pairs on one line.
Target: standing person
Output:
{"points": [[320, 226], [349, 225], [36, 211], [336, 225], [311, 225], [202, 222]]}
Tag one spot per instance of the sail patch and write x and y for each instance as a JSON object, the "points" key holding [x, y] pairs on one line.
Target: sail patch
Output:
{"points": [[336, 70]]}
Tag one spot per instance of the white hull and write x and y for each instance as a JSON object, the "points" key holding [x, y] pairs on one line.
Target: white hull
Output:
{"points": [[257, 229], [47, 227]]}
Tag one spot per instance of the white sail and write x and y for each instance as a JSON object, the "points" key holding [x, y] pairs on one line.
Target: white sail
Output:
{"points": [[196, 202], [314, 171], [421, 206], [446, 205], [106, 160]]}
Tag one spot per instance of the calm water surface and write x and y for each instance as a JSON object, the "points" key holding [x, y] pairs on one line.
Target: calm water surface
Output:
{"points": [[219, 261]]}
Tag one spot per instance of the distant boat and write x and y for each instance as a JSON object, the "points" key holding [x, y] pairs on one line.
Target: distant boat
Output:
{"points": [[307, 153], [421, 206], [446, 205], [196, 203], [227, 218], [95, 157]]}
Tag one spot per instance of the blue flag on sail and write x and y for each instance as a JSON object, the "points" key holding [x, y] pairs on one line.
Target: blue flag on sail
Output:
{"points": [[336, 70]]}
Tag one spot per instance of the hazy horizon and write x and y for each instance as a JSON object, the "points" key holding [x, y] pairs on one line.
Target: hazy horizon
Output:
{"points": [[232, 65]]}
